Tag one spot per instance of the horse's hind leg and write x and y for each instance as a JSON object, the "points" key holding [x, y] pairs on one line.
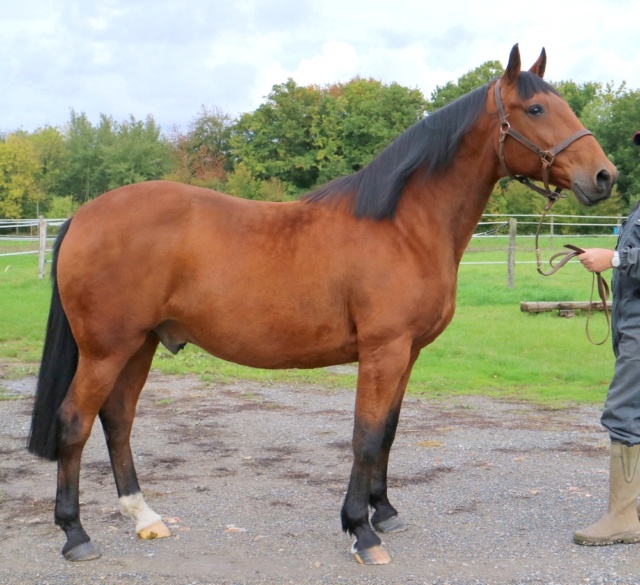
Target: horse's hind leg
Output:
{"points": [[117, 416], [91, 385], [385, 518]]}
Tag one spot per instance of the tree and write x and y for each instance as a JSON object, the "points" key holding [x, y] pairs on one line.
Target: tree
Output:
{"points": [[81, 139], [371, 116], [131, 151], [277, 140], [305, 136], [53, 158], [242, 183], [578, 96], [19, 166], [61, 207], [201, 156], [112, 154]]}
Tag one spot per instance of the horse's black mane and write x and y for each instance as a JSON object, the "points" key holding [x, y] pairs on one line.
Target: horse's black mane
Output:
{"points": [[430, 144]]}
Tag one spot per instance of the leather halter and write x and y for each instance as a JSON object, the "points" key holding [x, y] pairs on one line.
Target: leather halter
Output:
{"points": [[546, 156]]}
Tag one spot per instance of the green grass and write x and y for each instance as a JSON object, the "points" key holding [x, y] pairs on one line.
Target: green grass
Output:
{"points": [[491, 348], [24, 305]]}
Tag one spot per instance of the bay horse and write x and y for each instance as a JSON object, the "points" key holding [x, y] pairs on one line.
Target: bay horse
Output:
{"points": [[363, 269]]}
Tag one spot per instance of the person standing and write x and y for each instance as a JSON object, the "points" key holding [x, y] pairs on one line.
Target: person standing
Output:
{"points": [[621, 414]]}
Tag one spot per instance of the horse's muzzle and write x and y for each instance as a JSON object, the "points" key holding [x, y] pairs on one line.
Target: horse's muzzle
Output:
{"points": [[590, 192]]}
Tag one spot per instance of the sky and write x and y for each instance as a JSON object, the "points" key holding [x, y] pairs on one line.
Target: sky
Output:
{"points": [[169, 58]]}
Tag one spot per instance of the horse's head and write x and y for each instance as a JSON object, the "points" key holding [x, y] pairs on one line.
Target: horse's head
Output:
{"points": [[541, 138]]}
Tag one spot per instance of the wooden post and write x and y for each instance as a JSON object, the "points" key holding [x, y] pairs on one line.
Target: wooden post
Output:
{"points": [[42, 252], [511, 257]]}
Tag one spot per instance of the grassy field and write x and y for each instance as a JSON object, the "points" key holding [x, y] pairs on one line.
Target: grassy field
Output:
{"points": [[491, 348]]}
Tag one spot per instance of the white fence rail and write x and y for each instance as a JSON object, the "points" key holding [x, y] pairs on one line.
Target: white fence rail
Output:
{"points": [[41, 226], [497, 224]]}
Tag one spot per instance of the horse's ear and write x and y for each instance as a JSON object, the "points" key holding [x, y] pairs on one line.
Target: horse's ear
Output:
{"points": [[540, 65], [513, 68]]}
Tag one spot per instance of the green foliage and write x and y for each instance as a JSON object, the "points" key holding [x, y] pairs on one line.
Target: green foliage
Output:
{"points": [[614, 117], [201, 156], [137, 153], [305, 136], [112, 154], [53, 157], [61, 207], [272, 190], [578, 96], [373, 115], [18, 168], [242, 183], [277, 139], [82, 179]]}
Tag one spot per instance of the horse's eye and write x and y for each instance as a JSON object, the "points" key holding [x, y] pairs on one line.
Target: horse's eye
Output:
{"points": [[536, 110]]}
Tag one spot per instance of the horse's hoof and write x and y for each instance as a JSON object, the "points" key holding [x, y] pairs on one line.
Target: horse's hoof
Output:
{"points": [[393, 524], [87, 551], [156, 530], [375, 555]]}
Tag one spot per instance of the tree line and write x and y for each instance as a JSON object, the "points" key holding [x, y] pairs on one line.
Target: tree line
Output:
{"points": [[298, 138]]}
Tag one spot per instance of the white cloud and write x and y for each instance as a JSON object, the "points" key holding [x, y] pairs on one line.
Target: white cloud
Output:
{"points": [[168, 57], [338, 61]]}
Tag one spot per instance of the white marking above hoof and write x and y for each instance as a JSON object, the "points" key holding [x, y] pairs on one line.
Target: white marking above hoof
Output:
{"points": [[135, 507]]}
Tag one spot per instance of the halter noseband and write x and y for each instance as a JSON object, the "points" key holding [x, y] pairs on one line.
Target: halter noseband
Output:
{"points": [[546, 156]]}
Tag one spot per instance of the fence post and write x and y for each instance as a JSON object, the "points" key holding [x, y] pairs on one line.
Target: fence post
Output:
{"points": [[511, 258], [42, 251]]}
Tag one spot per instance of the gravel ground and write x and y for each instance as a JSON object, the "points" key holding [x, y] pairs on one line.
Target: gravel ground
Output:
{"points": [[250, 479]]}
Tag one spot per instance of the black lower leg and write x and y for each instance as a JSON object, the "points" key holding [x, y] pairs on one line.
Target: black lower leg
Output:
{"points": [[117, 437], [67, 511], [67, 516], [378, 499], [355, 511]]}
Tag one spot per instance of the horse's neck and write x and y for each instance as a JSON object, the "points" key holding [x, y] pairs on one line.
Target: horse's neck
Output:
{"points": [[450, 205]]}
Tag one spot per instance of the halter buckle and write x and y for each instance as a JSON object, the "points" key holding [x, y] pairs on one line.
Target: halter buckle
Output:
{"points": [[547, 158]]}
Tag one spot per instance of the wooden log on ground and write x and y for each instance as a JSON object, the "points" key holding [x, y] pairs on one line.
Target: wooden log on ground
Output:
{"points": [[546, 306]]}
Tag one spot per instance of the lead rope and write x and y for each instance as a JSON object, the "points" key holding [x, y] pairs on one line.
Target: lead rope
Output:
{"points": [[558, 260]]}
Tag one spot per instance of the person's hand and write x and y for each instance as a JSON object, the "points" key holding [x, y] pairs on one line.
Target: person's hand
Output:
{"points": [[596, 259]]}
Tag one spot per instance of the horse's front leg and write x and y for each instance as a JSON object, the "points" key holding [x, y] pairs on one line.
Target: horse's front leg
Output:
{"points": [[385, 518], [379, 375]]}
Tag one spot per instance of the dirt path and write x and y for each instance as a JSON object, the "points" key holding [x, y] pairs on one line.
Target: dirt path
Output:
{"points": [[251, 479]]}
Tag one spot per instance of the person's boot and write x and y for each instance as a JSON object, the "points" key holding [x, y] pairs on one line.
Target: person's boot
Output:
{"points": [[620, 523]]}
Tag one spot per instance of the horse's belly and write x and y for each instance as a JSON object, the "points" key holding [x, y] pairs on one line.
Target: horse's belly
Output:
{"points": [[266, 340]]}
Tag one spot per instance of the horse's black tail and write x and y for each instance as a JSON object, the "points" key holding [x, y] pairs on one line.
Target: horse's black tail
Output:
{"points": [[58, 366]]}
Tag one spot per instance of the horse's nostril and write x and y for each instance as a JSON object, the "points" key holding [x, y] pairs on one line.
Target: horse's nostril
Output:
{"points": [[604, 179]]}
